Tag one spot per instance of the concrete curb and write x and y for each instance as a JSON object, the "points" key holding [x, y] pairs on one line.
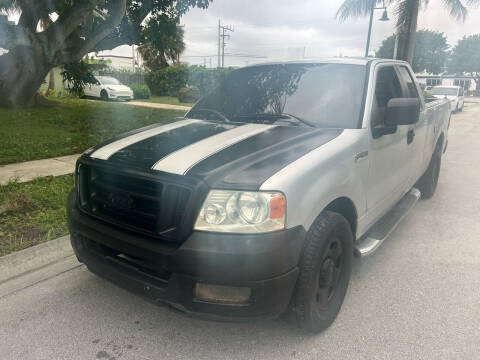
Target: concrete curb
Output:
{"points": [[29, 170], [33, 258]]}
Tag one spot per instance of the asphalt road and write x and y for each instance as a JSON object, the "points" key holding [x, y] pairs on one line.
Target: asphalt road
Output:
{"points": [[417, 297]]}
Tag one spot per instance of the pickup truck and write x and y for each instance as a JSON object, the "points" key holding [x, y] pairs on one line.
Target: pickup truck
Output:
{"points": [[454, 94], [256, 202]]}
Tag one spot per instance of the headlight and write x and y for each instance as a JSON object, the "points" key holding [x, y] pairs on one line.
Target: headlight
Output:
{"points": [[242, 212]]}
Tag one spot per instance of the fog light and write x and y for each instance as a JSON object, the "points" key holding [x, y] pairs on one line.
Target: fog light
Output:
{"points": [[222, 294]]}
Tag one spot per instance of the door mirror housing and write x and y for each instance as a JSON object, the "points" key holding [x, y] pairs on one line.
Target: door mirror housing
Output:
{"points": [[402, 111]]}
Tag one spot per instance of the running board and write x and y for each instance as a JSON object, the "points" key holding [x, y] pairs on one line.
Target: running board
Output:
{"points": [[384, 227]]}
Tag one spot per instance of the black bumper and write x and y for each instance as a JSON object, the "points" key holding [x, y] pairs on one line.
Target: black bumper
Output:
{"points": [[265, 263]]}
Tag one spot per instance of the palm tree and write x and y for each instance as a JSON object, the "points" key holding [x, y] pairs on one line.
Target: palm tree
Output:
{"points": [[406, 12]]}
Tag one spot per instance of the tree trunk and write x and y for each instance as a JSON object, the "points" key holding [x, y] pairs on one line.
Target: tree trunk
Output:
{"points": [[408, 34], [51, 81], [22, 71]]}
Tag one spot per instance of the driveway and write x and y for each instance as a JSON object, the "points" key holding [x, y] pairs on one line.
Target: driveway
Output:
{"points": [[417, 297]]}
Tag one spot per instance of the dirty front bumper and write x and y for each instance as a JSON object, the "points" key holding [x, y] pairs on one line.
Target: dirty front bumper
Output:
{"points": [[168, 273]]}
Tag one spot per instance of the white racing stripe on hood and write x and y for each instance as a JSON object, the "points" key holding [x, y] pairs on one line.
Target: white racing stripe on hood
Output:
{"points": [[108, 150], [184, 159]]}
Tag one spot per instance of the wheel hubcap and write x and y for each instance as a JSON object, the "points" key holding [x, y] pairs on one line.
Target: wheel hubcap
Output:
{"points": [[329, 274]]}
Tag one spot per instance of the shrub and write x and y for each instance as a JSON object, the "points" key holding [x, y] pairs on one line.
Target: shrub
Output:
{"points": [[140, 91], [205, 79], [169, 81], [189, 94], [76, 75]]}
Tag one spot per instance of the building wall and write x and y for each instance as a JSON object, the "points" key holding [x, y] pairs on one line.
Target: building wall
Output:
{"points": [[446, 81], [120, 63]]}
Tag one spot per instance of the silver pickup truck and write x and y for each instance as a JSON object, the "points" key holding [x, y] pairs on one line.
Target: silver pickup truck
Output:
{"points": [[256, 202]]}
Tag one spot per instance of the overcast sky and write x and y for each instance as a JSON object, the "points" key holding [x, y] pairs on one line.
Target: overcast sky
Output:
{"points": [[272, 29]]}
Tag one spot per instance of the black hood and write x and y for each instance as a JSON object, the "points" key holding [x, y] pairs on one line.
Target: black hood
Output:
{"points": [[242, 164]]}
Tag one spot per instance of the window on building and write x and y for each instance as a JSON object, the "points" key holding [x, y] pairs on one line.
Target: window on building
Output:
{"points": [[465, 84], [434, 82]]}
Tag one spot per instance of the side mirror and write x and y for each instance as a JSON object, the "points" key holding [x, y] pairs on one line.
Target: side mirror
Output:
{"points": [[402, 111]]}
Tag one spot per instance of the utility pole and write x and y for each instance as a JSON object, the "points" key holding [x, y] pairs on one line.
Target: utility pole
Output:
{"points": [[219, 42], [222, 34], [133, 58]]}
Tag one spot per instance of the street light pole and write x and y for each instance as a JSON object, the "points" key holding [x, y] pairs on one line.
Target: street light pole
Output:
{"points": [[383, 18], [370, 29]]}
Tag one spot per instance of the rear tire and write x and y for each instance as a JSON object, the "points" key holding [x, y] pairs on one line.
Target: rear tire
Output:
{"points": [[429, 180], [325, 269], [104, 95]]}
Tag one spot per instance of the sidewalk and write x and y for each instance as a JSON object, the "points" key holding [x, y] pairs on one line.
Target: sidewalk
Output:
{"points": [[472, 99], [27, 171], [158, 106]]}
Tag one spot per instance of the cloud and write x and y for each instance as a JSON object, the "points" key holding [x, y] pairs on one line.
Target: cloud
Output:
{"points": [[272, 29], [281, 28]]}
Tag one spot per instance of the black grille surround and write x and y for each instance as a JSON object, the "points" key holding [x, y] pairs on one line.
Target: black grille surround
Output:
{"points": [[160, 205]]}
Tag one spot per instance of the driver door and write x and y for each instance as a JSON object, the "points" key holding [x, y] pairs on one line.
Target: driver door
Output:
{"points": [[389, 171]]}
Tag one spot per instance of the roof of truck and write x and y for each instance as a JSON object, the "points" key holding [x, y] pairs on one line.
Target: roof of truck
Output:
{"points": [[334, 60], [446, 86]]}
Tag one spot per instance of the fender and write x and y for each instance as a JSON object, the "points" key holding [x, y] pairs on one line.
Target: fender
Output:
{"points": [[316, 179]]}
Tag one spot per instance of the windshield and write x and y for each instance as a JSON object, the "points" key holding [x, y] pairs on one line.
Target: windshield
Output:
{"points": [[444, 91], [107, 80], [324, 95]]}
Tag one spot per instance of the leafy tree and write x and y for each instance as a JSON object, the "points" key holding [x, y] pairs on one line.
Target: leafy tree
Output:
{"points": [[465, 58], [431, 50], [69, 30], [406, 12], [163, 42], [77, 75]]}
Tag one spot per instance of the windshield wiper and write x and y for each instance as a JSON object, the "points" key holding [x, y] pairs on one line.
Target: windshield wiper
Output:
{"points": [[215, 112], [283, 116]]}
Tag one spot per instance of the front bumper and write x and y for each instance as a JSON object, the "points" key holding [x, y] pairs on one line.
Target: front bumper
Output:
{"points": [[120, 97], [265, 263]]}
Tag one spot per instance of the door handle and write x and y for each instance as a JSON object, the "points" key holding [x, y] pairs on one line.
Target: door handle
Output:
{"points": [[410, 136], [360, 156]]}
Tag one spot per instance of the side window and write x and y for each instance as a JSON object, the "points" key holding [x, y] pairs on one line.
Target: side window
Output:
{"points": [[387, 87], [407, 79]]}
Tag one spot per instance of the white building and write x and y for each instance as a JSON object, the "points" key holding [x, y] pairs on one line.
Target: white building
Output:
{"points": [[119, 62], [445, 79]]}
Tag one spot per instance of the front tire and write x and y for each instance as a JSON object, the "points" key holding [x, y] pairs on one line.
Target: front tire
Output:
{"points": [[429, 180], [104, 95], [325, 269]]}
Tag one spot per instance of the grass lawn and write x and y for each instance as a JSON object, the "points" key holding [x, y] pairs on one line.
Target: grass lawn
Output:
{"points": [[165, 100], [41, 133], [33, 212]]}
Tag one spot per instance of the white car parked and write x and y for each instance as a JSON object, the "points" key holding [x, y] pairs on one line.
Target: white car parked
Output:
{"points": [[454, 94], [108, 88]]}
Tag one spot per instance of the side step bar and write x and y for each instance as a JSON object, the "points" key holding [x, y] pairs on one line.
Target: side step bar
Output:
{"points": [[384, 227]]}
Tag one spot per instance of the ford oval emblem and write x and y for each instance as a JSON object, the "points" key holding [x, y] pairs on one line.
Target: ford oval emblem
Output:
{"points": [[120, 200]]}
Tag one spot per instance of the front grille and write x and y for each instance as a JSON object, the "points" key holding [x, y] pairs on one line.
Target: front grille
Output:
{"points": [[139, 204]]}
